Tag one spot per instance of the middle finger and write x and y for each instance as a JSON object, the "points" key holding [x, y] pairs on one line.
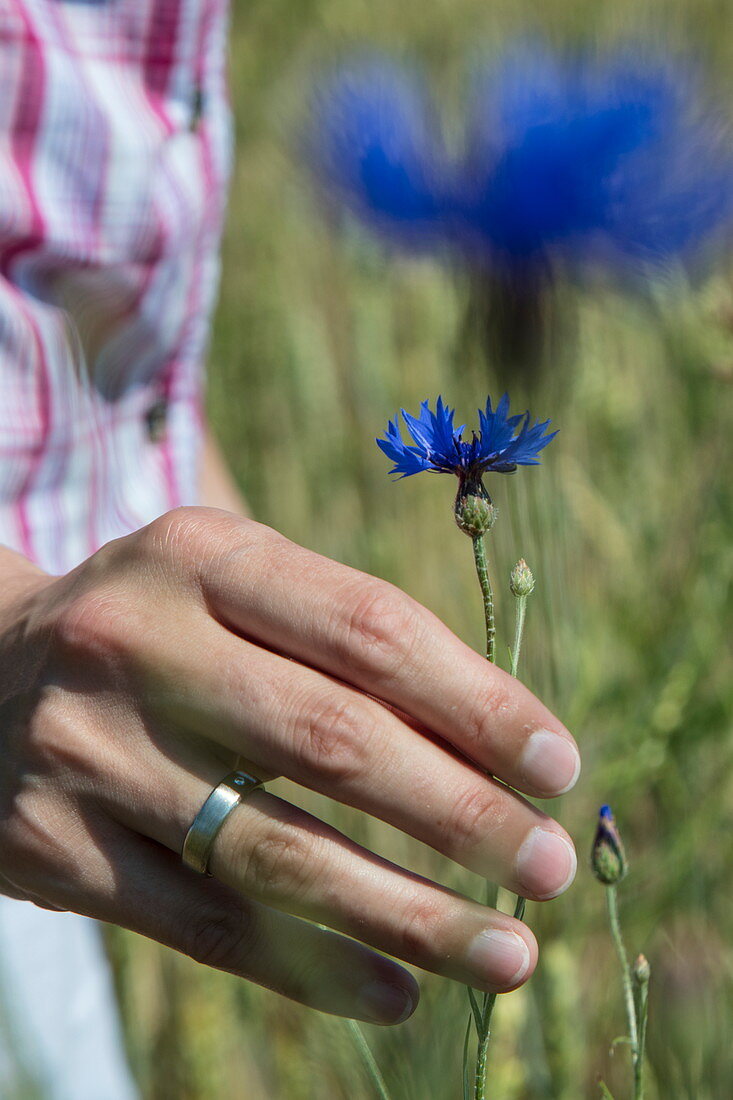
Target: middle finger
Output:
{"points": [[372, 635], [292, 720]]}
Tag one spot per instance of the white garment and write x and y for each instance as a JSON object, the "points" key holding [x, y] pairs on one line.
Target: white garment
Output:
{"points": [[59, 1034]]}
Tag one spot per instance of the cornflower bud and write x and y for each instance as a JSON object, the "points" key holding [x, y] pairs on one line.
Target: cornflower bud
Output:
{"points": [[521, 579], [608, 859], [474, 512], [642, 970]]}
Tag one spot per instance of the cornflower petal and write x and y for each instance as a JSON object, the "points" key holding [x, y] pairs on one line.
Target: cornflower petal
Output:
{"points": [[439, 446]]}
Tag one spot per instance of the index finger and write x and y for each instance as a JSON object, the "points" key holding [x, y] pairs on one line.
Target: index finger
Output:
{"points": [[372, 635]]}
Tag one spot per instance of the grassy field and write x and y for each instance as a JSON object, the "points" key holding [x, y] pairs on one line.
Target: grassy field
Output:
{"points": [[628, 525]]}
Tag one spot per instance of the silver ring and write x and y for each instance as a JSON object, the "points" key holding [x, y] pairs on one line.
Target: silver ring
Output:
{"points": [[224, 798]]}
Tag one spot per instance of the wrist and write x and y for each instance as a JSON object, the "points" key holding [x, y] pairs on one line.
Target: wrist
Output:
{"points": [[20, 579]]}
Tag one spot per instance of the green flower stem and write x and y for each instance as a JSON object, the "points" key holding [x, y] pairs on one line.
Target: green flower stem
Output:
{"points": [[466, 1080], [482, 570], [612, 900], [489, 1000], [485, 1034], [372, 1068], [480, 1082], [642, 1010], [518, 632]]}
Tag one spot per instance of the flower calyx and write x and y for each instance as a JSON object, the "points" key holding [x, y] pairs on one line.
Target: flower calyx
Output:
{"points": [[474, 511]]}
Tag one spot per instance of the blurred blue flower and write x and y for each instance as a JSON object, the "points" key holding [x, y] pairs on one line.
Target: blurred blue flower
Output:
{"points": [[611, 155], [500, 446], [377, 147], [611, 159]]}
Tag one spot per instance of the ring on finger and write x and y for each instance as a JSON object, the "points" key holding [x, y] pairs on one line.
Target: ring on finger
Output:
{"points": [[205, 827]]}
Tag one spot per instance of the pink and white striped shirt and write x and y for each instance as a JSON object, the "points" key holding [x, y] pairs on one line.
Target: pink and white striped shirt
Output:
{"points": [[115, 147]]}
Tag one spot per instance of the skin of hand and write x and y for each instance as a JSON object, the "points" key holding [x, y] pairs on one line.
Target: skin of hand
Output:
{"points": [[129, 688]]}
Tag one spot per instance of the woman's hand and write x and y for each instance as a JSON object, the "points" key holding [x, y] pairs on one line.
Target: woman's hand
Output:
{"points": [[129, 688]]}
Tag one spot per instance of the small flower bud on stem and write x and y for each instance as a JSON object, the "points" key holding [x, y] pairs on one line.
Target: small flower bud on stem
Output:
{"points": [[521, 579], [521, 583], [642, 970], [608, 858]]}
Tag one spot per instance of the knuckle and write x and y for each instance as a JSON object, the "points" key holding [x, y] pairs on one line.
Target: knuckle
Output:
{"points": [[221, 937], [279, 864], [383, 629], [186, 533], [487, 703], [334, 741], [474, 815], [177, 531], [422, 933], [196, 545]]}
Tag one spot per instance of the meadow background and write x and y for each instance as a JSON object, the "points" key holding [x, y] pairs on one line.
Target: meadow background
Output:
{"points": [[628, 525]]}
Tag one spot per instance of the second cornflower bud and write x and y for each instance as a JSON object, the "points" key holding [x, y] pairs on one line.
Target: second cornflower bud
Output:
{"points": [[521, 579], [608, 858]]}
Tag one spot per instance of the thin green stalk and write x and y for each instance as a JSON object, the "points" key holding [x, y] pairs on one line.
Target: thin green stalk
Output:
{"points": [[482, 570], [483, 1019], [466, 1082], [489, 999], [642, 1011], [372, 1068], [612, 900], [492, 895], [518, 632], [480, 1081], [485, 1033]]}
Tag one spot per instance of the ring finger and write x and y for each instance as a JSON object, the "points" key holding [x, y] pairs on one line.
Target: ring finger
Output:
{"points": [[276, 853]]}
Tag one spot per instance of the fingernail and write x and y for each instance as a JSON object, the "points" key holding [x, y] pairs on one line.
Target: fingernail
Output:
{"points": [[546, 864], [550, 762], [386, 1004], [499, 957]]}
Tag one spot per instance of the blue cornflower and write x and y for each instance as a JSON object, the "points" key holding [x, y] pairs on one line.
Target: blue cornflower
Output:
{"points": [[499, 447], [586, 158], [502, 443]]}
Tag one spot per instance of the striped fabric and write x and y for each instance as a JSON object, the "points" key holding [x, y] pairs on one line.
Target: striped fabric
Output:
{"points": [[115, 142]]}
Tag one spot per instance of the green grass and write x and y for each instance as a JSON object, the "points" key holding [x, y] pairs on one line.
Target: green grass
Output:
{"points": [[628, 527]]}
